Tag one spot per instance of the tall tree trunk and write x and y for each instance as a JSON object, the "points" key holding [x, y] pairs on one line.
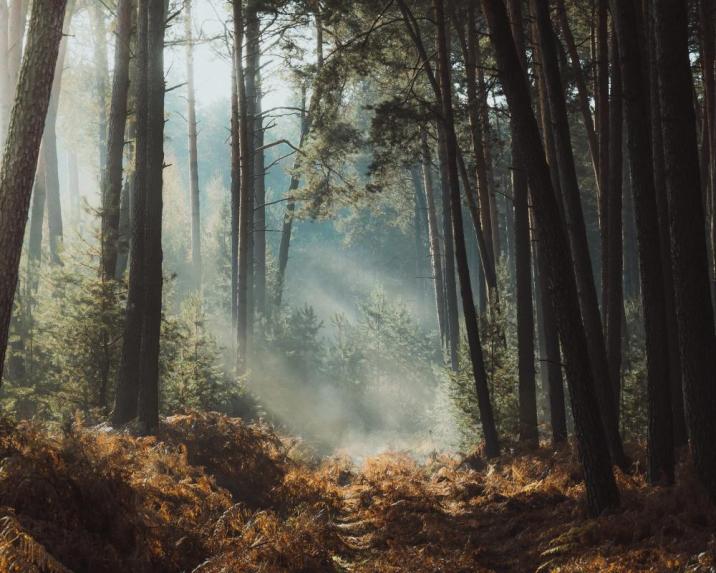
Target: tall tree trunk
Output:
{"points": [[259, 207], [148, 401], [245, 215], [688, 246], [613, 258], [527, 391], [22, 149], [125, 405], [636, 102], [73, 187], [235, 195], [295, 179], [434, 234], [582, 90], [101, 77], [112, 175], [37, 223], [600, 485], [489, 430], [49, 149], [602, 101], [193, 153], [577, 232], [677, 398]]}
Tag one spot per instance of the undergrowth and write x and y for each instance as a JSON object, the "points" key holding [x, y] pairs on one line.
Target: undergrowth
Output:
{"points": [[211, 494]]}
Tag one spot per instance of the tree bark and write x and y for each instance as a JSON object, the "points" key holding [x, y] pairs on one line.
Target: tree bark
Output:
{"points": [[688, 245], [489, 430], [601, 488], [636, 106], [433, 233], [577, 232], [193, 150], [112, 174], [125, 405], [148, 401], [7, 92], [21, 152]]}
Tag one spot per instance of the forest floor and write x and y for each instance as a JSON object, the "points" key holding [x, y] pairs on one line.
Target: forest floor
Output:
{"points": [[211, 494]]}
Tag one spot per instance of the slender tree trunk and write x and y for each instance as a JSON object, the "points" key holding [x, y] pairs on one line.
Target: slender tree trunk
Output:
{"points": [[600, 485], [235, 196], [602, 101], [636, 105], [112, 175], [125, 226], [259, 207], [148, 401], [295, 179], [677, 398], [22, 149], [582, 90], [37, 222], [489, 430], [73, 185], [245, 214], [434, 234], [577, 232], [614, 309], [125, 405], [101, 77], [193, 153], [688, 246], [49, 148]]}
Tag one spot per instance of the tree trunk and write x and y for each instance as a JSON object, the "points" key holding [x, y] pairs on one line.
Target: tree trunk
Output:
{"points": [[636, 100], [602, 105], [22, 149], [259, 181], [523, 265], [7, 91], [112, 175], [582, 91], [243, 281], [125, 405], [235, 196], [37, 223], [489, 430], [613, 258], [148, 401], [688, 246], [677, 398], [434, 234], [577, 232], [49, 149], [600, 485], [102, 77], [16, 36], [193, 153]]}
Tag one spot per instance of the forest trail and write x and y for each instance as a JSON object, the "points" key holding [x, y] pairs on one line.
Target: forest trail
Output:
{"points": [[213, 494]]}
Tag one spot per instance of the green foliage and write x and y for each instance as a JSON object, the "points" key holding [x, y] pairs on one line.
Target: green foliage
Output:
{"points": [[634, 400]]}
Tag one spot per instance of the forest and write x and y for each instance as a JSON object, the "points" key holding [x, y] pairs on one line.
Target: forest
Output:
{"points": [[357, 286]]}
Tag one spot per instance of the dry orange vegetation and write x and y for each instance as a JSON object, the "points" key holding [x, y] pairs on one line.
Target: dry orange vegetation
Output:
{"points": [[212, 494]]}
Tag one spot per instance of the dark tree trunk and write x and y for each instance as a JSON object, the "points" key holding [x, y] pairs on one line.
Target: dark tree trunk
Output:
{"points": [[452, 319], [37, 223], [672, 334], [636, 106], [489, 430], [112, 175], [613, 258], [602, 104], [245, 215], [193, 153], [125, 405], [688, 246], [148, 401], [578, 235], [582, 91], [601, 488], [523, 265], [27, 122], [434, 234]]}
